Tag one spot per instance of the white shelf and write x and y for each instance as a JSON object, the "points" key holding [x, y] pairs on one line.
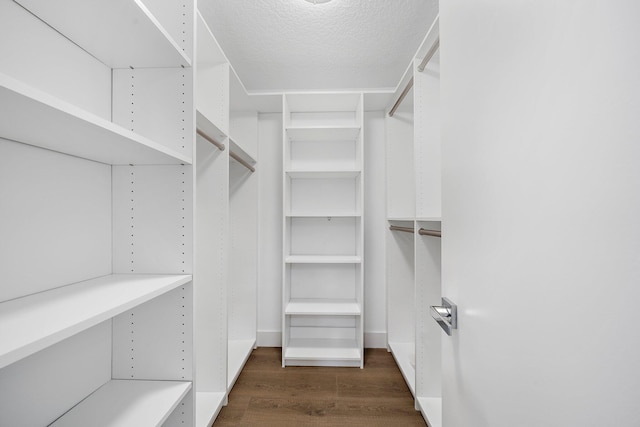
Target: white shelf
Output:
{"points": [[323, 308], [239, 352], [120, 33], [404, 353], [208, 406], [127, 403], [431, 408], [323, 133], [323, 259], [429, 219], [36, 118], [34, 322], [403, 219], [324, 215], [323, 174], [322, 349]]}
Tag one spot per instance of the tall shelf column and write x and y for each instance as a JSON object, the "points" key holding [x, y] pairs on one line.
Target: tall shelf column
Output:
{"points": [[323, 230]]}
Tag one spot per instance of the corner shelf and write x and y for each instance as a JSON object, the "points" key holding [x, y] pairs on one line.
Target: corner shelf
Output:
{"points": [[123, 33], [67, 129], [127, 403], [34, 322]]}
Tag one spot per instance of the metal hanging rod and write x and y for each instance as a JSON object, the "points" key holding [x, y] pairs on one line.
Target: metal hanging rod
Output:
{"points": [[241, 161], [429, 55], [401, 98], [405, 229], [425, 232], [211, 140]]}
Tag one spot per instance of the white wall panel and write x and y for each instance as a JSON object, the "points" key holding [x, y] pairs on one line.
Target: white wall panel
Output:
{"points": [[156, 103], [374, 223], [55, 219], [155, 341], [38, 389], [152, 219], [270, 223], [211, 269], [427, 155], [400, 169], [36, 54]]}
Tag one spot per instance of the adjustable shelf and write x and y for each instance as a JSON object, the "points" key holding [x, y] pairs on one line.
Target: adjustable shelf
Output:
{"points": [[120, 33], [323, 133], [323, 174], [323, 308], [34, 322], [36, 118], [127, 403], [322, 259], [323, 349]]}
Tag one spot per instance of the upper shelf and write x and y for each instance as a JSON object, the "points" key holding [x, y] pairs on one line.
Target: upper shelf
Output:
{"points": [[32, 323], [36, 118], [120, 33], [324, 174], [323, 133]]}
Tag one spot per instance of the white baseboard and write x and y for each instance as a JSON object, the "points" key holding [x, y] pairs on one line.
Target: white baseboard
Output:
{"points": [[274, 339], [375, 340], [269, 339]]}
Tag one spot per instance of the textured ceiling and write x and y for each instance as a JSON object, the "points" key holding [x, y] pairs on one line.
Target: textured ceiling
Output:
{"points": [[286, 45]]}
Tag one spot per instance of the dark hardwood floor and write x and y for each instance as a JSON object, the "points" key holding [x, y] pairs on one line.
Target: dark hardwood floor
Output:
{"points": [[268, 395]]}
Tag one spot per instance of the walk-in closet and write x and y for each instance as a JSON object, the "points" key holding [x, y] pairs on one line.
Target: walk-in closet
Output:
{"points": [[319, 213]]}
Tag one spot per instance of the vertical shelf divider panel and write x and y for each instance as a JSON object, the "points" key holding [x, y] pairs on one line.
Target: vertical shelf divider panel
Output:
{"points": [[323, 178], [133, 320], [243, 229], [427, 146], [212, 227]]}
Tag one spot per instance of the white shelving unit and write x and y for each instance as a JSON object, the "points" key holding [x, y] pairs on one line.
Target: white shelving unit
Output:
{"points": [[323, 230], [96, 146], [413, 260], [227, 221]]}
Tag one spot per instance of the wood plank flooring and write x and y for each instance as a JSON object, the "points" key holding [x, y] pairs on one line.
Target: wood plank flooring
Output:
{"points": [[268, 395]]}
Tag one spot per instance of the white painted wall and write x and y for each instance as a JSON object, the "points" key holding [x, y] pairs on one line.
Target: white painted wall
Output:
{"points": [[541, 212], [270, 230]]}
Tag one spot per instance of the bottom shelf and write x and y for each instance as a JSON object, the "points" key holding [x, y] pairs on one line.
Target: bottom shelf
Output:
{"points": [[208, 405], [127, 403], [431, 408], [327, 350], [405, 355], [238, 354]]}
